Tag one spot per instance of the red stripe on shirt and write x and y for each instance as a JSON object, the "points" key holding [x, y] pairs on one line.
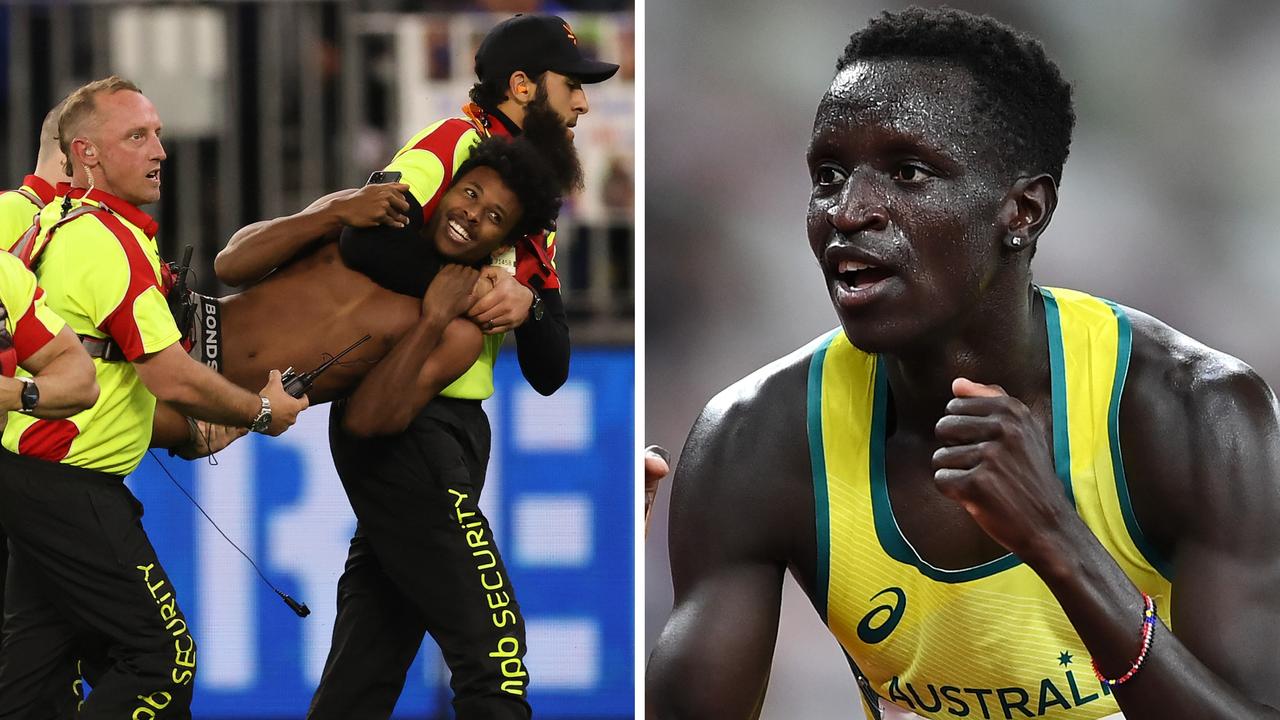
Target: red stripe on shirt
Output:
{"points": [[442, 142], [120, 323], [29, 334], [126, 210], [48, 439]]}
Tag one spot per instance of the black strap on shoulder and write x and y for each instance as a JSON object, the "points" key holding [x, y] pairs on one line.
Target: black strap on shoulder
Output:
{"points": [[32, 197], [105, 349]]}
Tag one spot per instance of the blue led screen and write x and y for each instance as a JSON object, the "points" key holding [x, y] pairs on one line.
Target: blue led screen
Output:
{"points": [[559, 497]]}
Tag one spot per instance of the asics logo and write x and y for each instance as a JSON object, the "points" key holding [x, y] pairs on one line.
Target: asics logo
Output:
{"points": [[876, 625]]}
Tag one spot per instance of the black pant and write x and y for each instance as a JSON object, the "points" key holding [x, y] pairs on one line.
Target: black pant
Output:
{"points": [[423, 560], [84, 580], [4, 570]]}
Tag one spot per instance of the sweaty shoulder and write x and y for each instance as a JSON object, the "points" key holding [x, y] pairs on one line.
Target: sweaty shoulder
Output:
{"points": [[745, 466], [1192, 418]]}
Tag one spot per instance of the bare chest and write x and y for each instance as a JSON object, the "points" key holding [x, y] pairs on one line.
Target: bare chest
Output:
{"points": [[307, 313]]}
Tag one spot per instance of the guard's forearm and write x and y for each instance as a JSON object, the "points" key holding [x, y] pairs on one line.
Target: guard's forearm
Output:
{"points": [[257, 249], [216, 400], [67, 385], [196, 391], [542, 346], [1106, 611], [378, 405]]}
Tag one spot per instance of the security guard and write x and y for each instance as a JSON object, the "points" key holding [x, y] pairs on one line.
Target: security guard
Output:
{"points": [[18, 208], [409, 572], [84, 575], [43, 369]]}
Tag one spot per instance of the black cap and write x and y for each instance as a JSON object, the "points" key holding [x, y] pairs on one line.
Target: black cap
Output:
{"points": [[535, 44]]}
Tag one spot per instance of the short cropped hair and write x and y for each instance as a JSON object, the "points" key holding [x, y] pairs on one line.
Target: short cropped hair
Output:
{"points": [[1024, 105], [49, 135], [49, 127], [80, 106]]}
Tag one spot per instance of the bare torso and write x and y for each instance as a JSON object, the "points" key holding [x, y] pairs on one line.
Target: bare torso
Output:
{"points": [[306, 312]]}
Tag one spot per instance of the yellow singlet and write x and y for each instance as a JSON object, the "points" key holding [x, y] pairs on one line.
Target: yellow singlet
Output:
{"points": [[988, 641]]}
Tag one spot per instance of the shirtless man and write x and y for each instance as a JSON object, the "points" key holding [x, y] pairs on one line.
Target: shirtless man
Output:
{"points": [[315, 305], [943, 473]]}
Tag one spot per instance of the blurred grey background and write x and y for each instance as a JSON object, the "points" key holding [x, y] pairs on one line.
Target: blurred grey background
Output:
{"points": [[1168, 204]]}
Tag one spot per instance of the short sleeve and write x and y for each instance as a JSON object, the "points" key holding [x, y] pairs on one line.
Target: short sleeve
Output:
{"points": [[151, 327], [428, 161], [111, 283], [30, 321]]}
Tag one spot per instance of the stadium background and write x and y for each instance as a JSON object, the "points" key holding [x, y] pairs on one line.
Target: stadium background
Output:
{"points": [[267, 106], [1167, 204]]}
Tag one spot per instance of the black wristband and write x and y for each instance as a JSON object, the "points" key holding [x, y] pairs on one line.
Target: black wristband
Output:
{"points": [[30, 395]]}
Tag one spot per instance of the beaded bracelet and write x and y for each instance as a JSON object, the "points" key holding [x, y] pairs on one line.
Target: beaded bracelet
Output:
{"points": [[1148, 629]]}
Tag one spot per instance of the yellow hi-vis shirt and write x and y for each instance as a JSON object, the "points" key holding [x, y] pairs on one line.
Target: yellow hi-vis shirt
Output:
{"points": [[101, 272], [427, 163], [29, 324], [988, 641], [18, 208]]}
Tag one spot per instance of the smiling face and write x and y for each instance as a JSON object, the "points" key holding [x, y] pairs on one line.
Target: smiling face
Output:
{"points": [[903, 212], [475, 216], [126, 148]]}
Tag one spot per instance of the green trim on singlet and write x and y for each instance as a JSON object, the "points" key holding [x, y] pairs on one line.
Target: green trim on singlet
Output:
{"points": [[1058, 388], [888, 531], [870, 700], [818, 466], [1124, 347]]}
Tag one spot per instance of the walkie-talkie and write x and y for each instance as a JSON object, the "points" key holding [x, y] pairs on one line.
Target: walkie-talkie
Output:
{"points": [[298, 385], [180, 305]]}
